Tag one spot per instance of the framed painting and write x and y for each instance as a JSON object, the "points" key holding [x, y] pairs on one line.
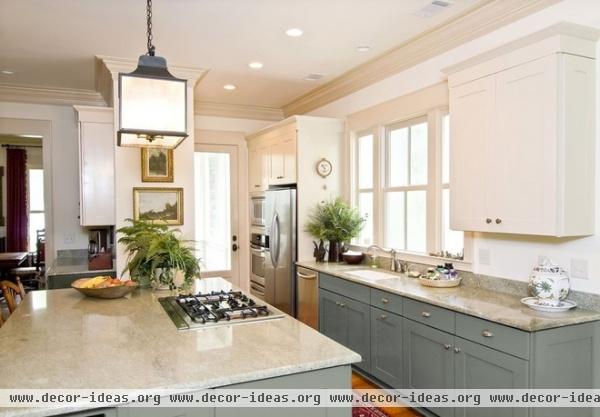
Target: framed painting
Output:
{"points": [[157, 165], [158, 205]]}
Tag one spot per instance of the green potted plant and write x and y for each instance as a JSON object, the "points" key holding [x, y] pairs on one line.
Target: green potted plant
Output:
{"points": [[336, 222], [157, 257]]}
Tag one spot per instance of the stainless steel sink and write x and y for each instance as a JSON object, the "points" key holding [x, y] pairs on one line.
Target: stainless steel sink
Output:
{"points": [[372, 274]]}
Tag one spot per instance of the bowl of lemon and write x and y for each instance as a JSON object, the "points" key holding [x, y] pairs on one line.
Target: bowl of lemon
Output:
{"points": [[104, 287]]}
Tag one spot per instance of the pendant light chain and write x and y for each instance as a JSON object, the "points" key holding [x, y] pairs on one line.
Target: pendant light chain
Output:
{"points": [[149, 23]]}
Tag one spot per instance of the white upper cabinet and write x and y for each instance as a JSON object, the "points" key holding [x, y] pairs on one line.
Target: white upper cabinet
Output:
{"points": [[258, 166], [96, 166], [522, 137], [283, 160]]}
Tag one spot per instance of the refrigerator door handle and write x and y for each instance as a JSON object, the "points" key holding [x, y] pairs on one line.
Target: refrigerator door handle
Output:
{"points": [[278, 235], [274, 241]]}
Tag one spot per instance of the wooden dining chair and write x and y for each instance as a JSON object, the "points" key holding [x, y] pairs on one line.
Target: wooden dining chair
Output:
{"points": [[11, 290]]}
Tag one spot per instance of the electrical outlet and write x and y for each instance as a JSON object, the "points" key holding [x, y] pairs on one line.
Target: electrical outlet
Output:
{"points": [[484, 257], [69, 239], [579, 268]]}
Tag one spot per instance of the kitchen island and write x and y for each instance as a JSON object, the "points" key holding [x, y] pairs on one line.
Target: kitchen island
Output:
{"points": [[61, 339]]}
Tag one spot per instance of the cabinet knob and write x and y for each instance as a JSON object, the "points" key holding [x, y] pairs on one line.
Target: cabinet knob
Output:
{"points": [[488, 221], [498, 221], [426, 314], [487, 333], [383, 317], [447, 346], [385, 300], [457, 350]]}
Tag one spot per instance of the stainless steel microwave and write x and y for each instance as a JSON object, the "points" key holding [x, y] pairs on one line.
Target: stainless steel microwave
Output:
{"points": [[257, 211]]}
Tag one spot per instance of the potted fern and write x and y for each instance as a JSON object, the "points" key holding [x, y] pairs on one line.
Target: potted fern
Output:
{"points": [[336, 222], [157, 257]]}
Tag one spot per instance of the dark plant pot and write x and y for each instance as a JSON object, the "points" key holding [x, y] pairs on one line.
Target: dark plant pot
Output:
{"points": [[335, 251], [343, 249]]}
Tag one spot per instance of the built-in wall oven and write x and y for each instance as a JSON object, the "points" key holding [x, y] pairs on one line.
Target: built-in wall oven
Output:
{"points": [[259, 250], [257, 210]]}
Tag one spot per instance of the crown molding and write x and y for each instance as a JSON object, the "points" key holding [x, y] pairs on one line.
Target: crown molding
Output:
{"points": [[238, 111], [475, 22], [47, 95]]}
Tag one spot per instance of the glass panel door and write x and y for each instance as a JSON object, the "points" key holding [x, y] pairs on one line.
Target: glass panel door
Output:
{"points": [[215, 170]]}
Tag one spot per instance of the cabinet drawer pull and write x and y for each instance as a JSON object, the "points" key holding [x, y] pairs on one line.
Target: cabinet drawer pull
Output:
{"points": [[488, 220], [256, 186], [457, 350], [384, 300], [337, 303], [487, 333], [383, 317], [279, 177], [426, 314], [342, 305], [447, 346]]}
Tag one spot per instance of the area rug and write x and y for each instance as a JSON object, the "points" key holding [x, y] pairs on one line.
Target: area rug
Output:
{"points": [[362, 409]]}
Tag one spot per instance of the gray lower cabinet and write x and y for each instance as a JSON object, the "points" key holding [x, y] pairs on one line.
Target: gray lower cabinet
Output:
{"points": [[346, 321], [480, 367], [429, 360], [386, 347]]}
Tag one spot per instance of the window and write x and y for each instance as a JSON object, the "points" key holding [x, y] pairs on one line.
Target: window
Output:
{"points": [[36, 205], [365, 186], [452, 241], [405, 190], [402, 187]]}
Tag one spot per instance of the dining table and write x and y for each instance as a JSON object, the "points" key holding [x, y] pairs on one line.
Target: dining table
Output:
{"points": [[9, 260]]}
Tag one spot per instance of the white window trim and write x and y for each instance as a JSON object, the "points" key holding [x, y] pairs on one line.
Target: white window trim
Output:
{"points": [[434, 189]]}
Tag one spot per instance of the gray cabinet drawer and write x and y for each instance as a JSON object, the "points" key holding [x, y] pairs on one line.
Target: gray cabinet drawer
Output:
{"points": [[497, 336], [349, 289], [428, 314], [386, 301]]}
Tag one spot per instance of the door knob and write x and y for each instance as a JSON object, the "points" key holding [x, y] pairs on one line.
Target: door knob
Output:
{"points": [[234, 247], [234, 238]]}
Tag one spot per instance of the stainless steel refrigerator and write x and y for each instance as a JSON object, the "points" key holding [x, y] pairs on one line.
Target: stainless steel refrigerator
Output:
{"points": [[280, 262]]}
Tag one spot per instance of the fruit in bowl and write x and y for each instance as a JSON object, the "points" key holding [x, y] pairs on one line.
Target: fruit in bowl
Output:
{"points": [[104, 287]]}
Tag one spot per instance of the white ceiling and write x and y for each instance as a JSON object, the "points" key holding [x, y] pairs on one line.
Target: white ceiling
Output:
{"points": [[52, 43]]}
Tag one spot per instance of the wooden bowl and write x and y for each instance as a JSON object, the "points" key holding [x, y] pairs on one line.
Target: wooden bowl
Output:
{"points": [[110, 292], [353, 259]]}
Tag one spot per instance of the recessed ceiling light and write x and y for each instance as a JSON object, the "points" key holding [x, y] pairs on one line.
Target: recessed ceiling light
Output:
{"points": [[7, 72], [363, 48], [255, 65], [313, 77], [294, 32], [229, 87]]}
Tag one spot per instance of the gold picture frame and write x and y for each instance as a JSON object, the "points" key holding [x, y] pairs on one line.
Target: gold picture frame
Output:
{"points": [[157, 165], [159, 205]]}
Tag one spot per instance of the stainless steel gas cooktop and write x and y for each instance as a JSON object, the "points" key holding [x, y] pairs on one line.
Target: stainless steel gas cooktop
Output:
{"points": [[215, 309]]}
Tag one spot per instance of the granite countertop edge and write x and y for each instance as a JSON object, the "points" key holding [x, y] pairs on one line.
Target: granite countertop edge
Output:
{"points": [[194, 386], [537, 321]]}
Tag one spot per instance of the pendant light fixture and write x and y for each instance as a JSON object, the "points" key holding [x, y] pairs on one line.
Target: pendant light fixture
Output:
{"points": [[152, 102]]}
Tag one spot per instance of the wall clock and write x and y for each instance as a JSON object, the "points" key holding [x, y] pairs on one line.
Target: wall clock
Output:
{"points": [[324, 167]]}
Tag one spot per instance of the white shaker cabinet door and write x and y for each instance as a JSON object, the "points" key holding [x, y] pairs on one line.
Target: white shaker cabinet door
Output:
{"points": [[97, 174], [524, 149], [471, 111]]}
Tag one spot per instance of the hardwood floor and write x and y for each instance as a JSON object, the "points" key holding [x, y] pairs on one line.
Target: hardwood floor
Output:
{"points": [[361, 383]]}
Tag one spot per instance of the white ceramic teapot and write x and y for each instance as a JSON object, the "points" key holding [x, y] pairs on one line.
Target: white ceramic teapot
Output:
{"points": [[549, 283]]}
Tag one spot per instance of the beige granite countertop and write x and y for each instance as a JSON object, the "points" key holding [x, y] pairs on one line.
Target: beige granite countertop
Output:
{"points": [[70, 266], [61, 339], [480, 302]]}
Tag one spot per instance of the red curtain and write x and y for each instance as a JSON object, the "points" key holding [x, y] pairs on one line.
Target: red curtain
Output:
{"points": [[16, 193]]}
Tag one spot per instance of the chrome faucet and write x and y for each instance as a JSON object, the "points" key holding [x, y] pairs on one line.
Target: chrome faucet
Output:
{"points": [[395, 266]]}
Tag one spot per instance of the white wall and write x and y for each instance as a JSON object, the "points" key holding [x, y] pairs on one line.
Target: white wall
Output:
{"points": [[511, 256], [64, 168]]}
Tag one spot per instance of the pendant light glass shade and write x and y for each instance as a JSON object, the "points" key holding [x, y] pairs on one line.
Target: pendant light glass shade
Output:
{"points": [[152, 106]]}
